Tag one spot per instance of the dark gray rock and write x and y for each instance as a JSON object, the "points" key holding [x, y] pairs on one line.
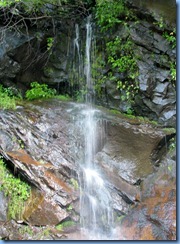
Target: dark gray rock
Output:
{"points": [[3, 207]]}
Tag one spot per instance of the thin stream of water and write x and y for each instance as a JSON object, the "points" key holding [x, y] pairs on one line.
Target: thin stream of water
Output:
{"points": [[96, 214]]}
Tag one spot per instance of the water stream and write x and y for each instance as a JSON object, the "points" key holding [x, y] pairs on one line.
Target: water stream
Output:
{"points": [[96, 214]]}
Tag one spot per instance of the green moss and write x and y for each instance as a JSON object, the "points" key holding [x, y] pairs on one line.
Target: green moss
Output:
{"points": [[26, 230], [16, 190], [114, 111], [63, 97], [74, 183], [69, 208], [65, 224], [169, 130], [139, 119], [120, 218]]}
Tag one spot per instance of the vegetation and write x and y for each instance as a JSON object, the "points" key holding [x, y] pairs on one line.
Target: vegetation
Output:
{"points": [[38, 91], [74, 183], [171, 37], [173, 72], [6, 101], [23, 12], [108, 13], [15, 189], [8, 97], [50, 41], [139, 119], [122, 59], [119, 58], [42, 91], [63, 97], [120, 55], [65, 224], [172, 144]]}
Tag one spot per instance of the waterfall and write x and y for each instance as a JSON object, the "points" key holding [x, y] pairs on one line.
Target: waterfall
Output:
{"points": [[77, 46], [96, 215], [89, 84], [76, 41]]}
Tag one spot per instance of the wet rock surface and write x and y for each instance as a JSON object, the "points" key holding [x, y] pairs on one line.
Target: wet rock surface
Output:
{"points": [[43, 141], [155, 217]]}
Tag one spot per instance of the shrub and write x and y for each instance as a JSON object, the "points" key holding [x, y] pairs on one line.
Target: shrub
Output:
{"points": [[39, 91]]}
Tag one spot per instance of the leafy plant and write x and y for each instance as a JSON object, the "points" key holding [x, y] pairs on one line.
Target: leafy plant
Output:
{"points": [[7, 100], [6, 3], [39, 91], [108, 13], [171, 37], [173, 71], [160, 23], [172, 144], [121, 57], [16, 190], [50, 41]]}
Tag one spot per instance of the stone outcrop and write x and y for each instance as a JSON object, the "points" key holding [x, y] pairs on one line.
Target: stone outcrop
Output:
{"points": [[25, 58], [43, 140], [30, 143], [155, 217]]}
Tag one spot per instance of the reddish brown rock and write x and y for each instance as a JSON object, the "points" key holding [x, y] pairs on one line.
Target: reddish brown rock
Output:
{"points": [[42, 210], [155, 217]]}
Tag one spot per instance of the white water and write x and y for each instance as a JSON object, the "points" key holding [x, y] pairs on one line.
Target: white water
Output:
{"points": [[77, 47], [96, 214]]}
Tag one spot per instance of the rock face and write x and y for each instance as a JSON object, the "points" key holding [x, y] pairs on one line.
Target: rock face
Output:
{"points": [[155, 217], [44, 143], [37, 147], [21, 58], [43, 140], [3, 207], [25, 58]]}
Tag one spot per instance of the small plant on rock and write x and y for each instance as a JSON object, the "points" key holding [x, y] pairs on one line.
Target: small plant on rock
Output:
{"points": [[7, 100], [15, 189], [39, 91]]}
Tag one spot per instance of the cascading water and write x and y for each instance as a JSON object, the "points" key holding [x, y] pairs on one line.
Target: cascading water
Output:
{"points": [[96, 215], [77, 47]]}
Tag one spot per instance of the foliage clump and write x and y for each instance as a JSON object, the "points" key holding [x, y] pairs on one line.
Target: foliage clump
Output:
{"points": [[15, 189], [7, 98], [38, 91], [108, 13]]}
